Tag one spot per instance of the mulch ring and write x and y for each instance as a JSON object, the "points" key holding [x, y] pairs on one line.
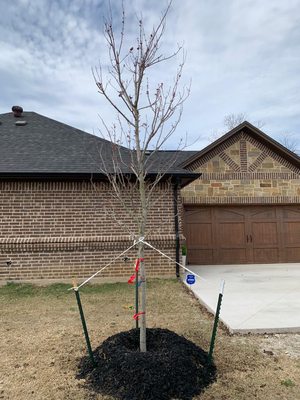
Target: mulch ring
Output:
{"points": [[172, 367]]}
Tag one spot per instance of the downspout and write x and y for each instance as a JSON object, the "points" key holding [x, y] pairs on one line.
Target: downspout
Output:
{"points": [[177, 239]]}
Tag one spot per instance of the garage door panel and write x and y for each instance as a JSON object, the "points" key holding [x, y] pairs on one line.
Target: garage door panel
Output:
{"points": [[262, 212], [232, 256], [200, 256], [200, 234], [198, 215], [292, 254], [231, 235], [265, 255], [291, 233], [231, 214], [291, 213], [264, 234]]}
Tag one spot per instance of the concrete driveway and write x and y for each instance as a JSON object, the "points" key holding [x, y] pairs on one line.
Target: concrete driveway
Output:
{"points": [[257, 298]]}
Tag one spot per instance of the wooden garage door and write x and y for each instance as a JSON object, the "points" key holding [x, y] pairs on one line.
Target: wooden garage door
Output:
{"points": [[241, 235]]}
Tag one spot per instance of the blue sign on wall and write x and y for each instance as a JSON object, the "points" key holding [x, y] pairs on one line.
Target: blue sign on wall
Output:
{"points": [[190, 279]]}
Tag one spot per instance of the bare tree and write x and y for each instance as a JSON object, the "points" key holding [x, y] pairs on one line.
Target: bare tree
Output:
{"points": [[231, 121], [288, 140], [147, 116]]}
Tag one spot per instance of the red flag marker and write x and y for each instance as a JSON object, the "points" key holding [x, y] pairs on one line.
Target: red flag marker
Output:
{"points": [[131, 279], [137, 264], [137, 316]]}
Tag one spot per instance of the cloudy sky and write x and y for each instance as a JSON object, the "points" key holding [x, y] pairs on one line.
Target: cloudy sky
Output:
{"points": [[242, 56]]}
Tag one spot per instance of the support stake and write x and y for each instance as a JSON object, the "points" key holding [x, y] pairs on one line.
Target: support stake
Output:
{"points": [[86, 334], [216, 321]]}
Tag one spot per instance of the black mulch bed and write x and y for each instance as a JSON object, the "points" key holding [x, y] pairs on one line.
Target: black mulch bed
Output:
{"points": [[173, 367]]}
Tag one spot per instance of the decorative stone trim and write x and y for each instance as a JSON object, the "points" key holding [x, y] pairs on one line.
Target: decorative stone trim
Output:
{"points": [[26, 240], [272, 154], [258, 162], [243, 154], [248, 175], [242, 200], [82, 186], [229, 162], [214, 152], [50, 186], [79, 243]]}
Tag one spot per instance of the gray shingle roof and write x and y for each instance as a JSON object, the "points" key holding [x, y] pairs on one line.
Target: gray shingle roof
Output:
{"points": [[46, 146]]}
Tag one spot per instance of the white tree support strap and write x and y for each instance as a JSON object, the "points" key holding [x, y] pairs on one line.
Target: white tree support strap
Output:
{"points": [[107, 265], [165, 255]]}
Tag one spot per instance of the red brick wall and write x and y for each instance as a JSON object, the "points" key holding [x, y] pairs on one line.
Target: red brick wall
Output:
{"points": [[55, 230]]}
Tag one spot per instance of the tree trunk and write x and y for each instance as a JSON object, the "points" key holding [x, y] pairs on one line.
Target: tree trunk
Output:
{"points": [[141, 251], [143, 345]]}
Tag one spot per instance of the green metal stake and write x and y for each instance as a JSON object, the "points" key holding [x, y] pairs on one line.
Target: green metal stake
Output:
{"points": [[215, 327], [86, 334], [137, 297]]}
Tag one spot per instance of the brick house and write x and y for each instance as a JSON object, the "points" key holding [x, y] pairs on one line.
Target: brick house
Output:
{"points": [[245, 207], [239, 203], [56, 204]]}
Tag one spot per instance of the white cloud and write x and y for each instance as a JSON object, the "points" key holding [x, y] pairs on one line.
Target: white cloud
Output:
{"points": [[241, 57]]}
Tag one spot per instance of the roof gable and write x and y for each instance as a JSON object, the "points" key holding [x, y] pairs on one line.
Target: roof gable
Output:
{"points": [[244, 149]]}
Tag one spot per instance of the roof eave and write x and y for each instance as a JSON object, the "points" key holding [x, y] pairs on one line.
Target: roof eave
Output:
{"points": [[48, 176], [184, 178]]}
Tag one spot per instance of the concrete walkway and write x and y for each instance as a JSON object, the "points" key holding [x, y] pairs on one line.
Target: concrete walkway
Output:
{"points": [[257, 298]]}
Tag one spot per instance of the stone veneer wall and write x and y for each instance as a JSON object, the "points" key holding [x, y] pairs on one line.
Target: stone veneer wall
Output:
{"points": [[66, 230], [243, 171]]}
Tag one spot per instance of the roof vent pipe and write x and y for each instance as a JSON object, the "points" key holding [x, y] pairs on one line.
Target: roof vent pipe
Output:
{"points": [[17, 110]]}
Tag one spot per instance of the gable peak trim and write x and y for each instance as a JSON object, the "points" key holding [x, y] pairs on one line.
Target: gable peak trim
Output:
{"points": [[243, 130]]}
